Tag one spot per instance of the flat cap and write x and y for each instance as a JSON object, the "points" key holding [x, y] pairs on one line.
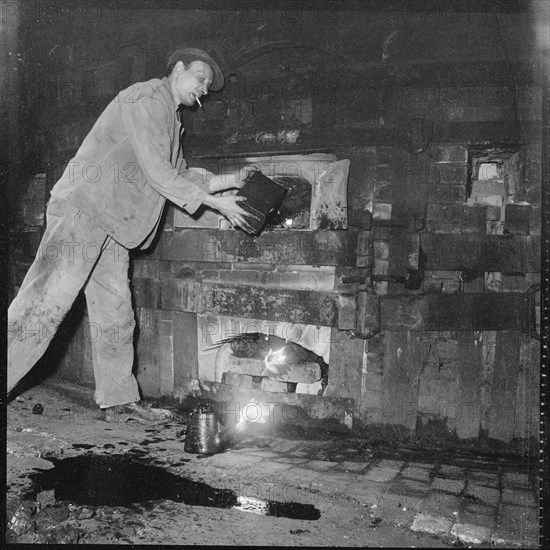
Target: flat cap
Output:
{"points": [[188, 55]]}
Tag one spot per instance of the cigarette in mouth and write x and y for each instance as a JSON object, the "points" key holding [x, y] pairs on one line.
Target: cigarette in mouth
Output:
{"points": [[199, 102]]}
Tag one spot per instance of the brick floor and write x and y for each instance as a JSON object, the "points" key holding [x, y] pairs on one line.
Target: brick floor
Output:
{"points": [[432, 524], [484, 478], [514, 479], [454, 486], [441, 503], [517, 524], [299, 475], [480, 514], [394, 497], [366, 492], [519, 497], [471, 534], [469, 503], [382, 472], [414, 472], [354, 467], [320, 465], [488, 495], [453, 472]]}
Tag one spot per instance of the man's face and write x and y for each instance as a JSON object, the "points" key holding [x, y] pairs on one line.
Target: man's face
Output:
{"points": [[191, 82]]}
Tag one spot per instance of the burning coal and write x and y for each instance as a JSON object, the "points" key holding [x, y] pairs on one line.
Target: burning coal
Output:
{"points": [[276, 352]]}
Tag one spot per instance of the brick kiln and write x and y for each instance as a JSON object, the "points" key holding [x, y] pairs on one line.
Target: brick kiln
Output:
{"points": [[300, 282]]}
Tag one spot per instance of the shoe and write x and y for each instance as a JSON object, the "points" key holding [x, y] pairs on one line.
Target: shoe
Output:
{"points": [[140, 411]]}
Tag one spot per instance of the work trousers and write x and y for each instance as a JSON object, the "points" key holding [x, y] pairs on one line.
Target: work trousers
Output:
{"points": [[76, 253]]}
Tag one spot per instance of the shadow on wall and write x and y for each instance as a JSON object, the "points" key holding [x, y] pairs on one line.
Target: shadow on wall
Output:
{"points": [[52, 361]]}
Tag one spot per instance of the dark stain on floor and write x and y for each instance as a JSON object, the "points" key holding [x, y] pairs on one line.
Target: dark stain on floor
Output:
{"points": [[118, 480]]}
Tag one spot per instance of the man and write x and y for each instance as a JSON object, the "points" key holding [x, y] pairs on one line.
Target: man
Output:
{"points": [[109, 200]]}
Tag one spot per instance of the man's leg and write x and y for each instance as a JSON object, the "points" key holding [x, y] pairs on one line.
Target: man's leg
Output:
{"points": [[112, 326], [62, 265]]}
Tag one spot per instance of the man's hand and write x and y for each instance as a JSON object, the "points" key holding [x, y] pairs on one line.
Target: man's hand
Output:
{"points": [[228, 205]]}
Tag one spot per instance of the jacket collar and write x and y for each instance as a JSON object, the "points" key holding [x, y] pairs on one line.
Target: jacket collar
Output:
{"points": [[166, 84]]}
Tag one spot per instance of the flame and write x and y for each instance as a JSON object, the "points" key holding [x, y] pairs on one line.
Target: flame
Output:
{"points": [[274, 358], [251, 413]]}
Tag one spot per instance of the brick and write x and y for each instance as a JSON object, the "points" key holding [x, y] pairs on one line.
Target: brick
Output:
{"points": [[300, 476], [384, 173], [449, 172], [146, 268], [517, 219], [479, 509], [408, 493], [443, 503], [474, 219], [481, 252], [316, 281], [451, 153], [373, 380], [444, 285], [381, 211], [209, 276], [394, 500], [513, 283], [146, 292], [276, 247], [347, 466], [444, 218], [381, 474], [367, 492], [320, 465], [431, 524], [309, 389], [182, 296], [447, 194], [235, 379], [381, 250], [297, 268], [419, 474], [493, 213], [514, 479], [393, 464], [306, 373], [244, 365], [273, 385], [471, 534], [251, 266], [518, 525], [488, 495], [519, 497], [373, 416], [241, 277], [458, 311], [383, 191], [535, 224], [182, 270], [258, 302], [381, 267], [291, 280], [487, 479], [334, 484], [454, 486]]}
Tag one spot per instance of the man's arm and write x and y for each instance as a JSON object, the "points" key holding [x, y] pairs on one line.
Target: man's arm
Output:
{"points": [[145, 121], [148, 134]]}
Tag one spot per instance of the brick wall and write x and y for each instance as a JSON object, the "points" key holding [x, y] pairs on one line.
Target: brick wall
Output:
{"points": [[419, 332]]}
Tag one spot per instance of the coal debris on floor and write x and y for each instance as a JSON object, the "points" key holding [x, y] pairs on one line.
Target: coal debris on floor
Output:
{"points": [[118, 480]]}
